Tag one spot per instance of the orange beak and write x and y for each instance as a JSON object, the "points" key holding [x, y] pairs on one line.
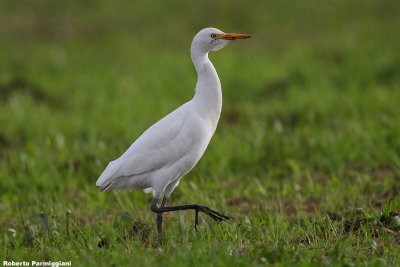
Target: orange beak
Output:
{"points": [[232, 36]]}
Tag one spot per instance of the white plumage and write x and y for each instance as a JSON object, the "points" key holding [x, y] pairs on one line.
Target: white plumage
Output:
{"points": [[170, 148]]}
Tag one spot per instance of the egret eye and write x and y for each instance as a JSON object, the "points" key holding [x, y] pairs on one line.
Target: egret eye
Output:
{"points": [[213, 35]]}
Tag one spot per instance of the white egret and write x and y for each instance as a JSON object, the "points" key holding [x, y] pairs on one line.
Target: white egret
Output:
{"points": [[170, 148]]}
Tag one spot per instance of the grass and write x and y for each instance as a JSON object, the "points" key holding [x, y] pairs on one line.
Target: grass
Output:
{"points": [[306, 156]]}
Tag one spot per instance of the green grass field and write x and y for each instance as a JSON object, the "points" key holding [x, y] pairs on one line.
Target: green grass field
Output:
{"points": [[306, 156]]}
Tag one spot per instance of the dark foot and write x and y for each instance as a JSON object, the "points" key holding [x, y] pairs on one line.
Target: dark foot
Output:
{"points": [[197, 208], [212, 213]]}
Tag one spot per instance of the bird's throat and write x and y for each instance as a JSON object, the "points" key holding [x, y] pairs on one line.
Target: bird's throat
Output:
{"points": [[208, 96]]}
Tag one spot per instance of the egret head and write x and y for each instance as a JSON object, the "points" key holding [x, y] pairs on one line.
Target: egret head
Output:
{"points": [[212, 39]]}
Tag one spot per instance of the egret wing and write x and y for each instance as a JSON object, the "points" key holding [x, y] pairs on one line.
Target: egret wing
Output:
{"points": [[162, 144]]}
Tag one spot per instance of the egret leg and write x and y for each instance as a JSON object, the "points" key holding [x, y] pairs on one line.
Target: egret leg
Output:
{"points": [[160, 220], [197, 208]]}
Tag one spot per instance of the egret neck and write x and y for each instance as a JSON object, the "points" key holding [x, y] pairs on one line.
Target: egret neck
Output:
{"points": [[208, 96]]}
